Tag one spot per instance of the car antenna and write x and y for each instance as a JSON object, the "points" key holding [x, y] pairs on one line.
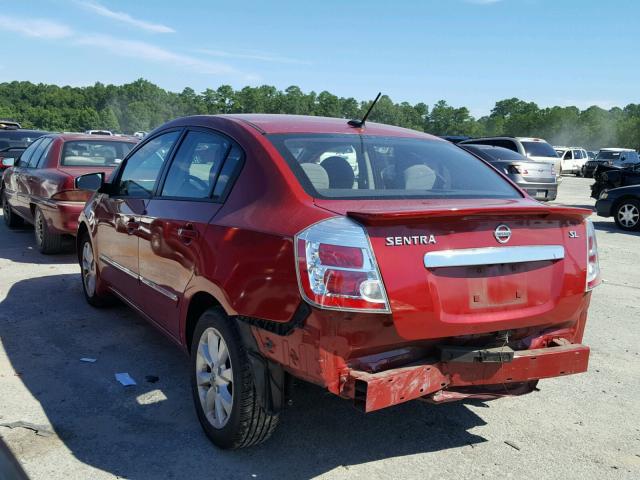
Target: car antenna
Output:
{"points": [[360, 123]]}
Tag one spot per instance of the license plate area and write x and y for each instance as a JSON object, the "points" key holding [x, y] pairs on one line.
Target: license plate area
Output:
{"points": [[541, 194]]}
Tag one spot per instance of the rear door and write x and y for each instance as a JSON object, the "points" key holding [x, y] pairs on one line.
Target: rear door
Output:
{"points": [[176, 220], [17, 189], [118, 215]]}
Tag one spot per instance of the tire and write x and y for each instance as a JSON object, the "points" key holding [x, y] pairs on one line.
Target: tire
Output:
{"points": [[46, 241], [627, 215], [90, 275], [10, 219], [244, 422]]}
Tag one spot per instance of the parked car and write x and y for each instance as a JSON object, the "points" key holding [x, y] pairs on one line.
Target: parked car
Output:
{"points": [[427, 275], [538, 179], [591, 154], [14, 140], [140, 134], [40, 188], [619, 157], [623, 204], [535, 149], [572, 159], [608, 177]]}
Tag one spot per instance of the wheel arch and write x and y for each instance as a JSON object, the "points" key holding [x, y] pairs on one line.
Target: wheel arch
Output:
{"points": [[198, 303], [620, 200], [82, 229]]}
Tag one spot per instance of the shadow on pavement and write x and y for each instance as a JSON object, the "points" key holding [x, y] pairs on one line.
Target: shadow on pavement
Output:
{"points": [[150, 430], [18, 245]]}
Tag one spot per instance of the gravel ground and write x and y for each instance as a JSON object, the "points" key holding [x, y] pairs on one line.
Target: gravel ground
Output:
{"points": [[583, 426]]}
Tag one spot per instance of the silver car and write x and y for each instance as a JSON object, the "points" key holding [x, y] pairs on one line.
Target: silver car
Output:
{"points": [[538, 179]]}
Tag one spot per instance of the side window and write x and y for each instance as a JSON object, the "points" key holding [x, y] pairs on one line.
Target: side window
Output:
{"points": [[26, 155], [196, 165], [42, 160], [229, 172], [33, 161], [567, 155], [142, 169]]}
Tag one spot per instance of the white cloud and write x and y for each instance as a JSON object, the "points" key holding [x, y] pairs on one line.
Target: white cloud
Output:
{"points": [[262, 57], [34, 27], [123, 17], [153, 53]]}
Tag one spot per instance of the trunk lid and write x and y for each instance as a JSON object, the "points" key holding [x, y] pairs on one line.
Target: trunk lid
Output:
{"points": [[479, 284]]}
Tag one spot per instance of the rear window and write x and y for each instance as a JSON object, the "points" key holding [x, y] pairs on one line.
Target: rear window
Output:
{"points": [[18, 138], [607, 155], [361, 166], [539, 149], [94, 153], [498, 153]]}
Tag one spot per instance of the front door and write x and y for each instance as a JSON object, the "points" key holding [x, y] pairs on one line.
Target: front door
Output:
{"points": [[176, 222], [119, 214]]}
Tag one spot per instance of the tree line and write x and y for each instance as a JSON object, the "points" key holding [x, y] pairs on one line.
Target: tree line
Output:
{"points": [[141, 105]]}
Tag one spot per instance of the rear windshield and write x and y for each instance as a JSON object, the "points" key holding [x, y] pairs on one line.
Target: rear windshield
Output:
{"points": [[497, 153], [94, 153], [18, 138], [539, 149], [360, 166]]}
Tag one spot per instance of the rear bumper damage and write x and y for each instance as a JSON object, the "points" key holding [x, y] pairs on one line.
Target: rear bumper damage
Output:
{"points": [[442, 381]]}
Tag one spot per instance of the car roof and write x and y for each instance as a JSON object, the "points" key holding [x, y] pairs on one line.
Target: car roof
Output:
{"points": [[617, 150], [96, 138], [22, 130], [276, 123]]}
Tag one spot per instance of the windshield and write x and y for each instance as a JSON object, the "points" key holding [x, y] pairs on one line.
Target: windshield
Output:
{"points": [[607, 155], [539, 149], [94, 153], [355, 166]]}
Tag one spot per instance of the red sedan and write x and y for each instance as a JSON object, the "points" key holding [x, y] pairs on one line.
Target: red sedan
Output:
{"points": [[40, 187], [380, 263]]}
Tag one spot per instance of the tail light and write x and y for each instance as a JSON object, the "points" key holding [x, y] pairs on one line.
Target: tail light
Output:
{"points": [[72, 196], [593, 265], [337, 269]]}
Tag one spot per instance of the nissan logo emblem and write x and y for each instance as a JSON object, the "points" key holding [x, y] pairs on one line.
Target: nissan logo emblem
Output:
{"points": [[502, 233]]}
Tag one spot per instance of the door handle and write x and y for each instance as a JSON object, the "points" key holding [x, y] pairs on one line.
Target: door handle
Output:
{"points": [[132, 225], [187, 233]]}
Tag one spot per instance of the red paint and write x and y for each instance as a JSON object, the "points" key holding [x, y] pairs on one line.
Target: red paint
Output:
{"points": [[241, 252]]}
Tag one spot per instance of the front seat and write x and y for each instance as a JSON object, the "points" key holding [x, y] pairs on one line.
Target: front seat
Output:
{"points": [[340, 172]]}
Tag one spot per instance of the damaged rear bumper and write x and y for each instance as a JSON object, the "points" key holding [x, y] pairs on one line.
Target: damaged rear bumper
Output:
{"points": [[453, 380]]}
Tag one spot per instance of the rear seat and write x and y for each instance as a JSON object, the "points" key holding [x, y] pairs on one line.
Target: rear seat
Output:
{"points": [[80, 161]]}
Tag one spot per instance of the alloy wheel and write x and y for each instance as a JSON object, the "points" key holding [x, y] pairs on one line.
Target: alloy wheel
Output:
{"points": [[214, 375], [628, 215], [88, 269]]}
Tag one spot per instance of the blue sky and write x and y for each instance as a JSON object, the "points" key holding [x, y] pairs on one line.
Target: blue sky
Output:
{"points": [[468, 52]]}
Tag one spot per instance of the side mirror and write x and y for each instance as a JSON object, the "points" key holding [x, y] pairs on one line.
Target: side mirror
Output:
{"points": [[8, 162], [90, 181]]}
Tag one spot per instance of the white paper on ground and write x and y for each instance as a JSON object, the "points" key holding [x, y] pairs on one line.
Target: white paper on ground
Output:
{"points": [[125, 379]]}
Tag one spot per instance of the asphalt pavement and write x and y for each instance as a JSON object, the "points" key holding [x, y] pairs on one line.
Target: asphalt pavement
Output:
{"points": [[81, 423]]}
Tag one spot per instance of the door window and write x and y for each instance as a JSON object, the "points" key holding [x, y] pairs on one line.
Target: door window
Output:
{"points": [[141, 172], [196, 165], [33, 161], [27, 154], [567, 155], [40, 161]]}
